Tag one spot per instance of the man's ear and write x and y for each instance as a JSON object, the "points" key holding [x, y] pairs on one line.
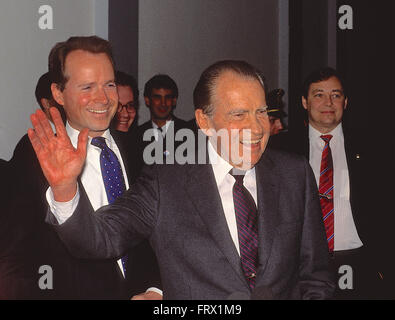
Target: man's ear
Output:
{"points": [[147, 101], [203, 121], [304, 102], [57, 94]]}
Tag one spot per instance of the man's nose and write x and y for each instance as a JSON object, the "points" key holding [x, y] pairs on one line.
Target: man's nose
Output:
{"points": [[102, 96], [279, 124], [328, 100], [124, 112], [255, 125]]}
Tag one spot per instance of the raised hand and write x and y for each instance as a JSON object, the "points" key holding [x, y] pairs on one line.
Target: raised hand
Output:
{"points": [[60, 161]]}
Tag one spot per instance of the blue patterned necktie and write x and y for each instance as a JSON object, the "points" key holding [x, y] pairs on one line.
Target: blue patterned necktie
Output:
{"points": [[246, 218], [112, 175]]}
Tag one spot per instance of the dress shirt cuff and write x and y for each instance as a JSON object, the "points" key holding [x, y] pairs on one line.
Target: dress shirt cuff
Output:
{"points": [[155, 290], [62, 210]]}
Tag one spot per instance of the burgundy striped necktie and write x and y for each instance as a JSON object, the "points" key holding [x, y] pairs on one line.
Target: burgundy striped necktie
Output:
{"points": [[325, 190], [246, 218]]}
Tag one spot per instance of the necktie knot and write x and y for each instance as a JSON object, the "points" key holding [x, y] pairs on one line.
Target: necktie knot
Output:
{"points": [[238, 175], [99, 142], [326, 138]]}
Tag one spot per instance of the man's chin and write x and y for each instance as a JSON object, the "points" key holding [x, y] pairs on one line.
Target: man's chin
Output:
{"points": [[97, 131]]}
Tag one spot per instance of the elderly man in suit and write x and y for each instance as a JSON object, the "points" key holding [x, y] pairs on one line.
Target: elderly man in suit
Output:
{"points": [[245, 222], [83, 83]]}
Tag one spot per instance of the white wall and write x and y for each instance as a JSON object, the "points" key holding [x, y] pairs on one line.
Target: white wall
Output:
{"points": [[183, 37], [24, 53]]}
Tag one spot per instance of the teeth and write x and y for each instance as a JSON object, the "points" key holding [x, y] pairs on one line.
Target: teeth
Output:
{"points": [[97, 111], [250, 141]]}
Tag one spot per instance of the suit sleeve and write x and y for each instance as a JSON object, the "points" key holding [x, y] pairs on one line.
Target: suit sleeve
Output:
{"points": [[112, 230], [315, 278]]}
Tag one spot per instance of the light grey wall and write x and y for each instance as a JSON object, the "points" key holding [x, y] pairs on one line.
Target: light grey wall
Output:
{"points": [[24, 53], [183, 37]]}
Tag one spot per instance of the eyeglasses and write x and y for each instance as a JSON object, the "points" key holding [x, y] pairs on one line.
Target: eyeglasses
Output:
{"points": [[130, 106]]}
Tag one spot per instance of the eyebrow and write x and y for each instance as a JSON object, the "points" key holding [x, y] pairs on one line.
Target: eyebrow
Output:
{"points": [[262, 108], [93, 83], [321, 90], [237, 111], [165, 96], [85, 84]]}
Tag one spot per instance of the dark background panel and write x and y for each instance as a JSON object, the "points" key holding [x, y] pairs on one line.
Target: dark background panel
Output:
{"points": [[123, 23]]}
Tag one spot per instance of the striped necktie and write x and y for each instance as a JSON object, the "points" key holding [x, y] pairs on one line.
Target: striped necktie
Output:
{"points": [[325, 190], [246, 218]]}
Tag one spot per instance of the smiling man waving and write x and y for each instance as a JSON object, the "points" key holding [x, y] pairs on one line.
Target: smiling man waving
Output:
{"points": [[218, 233]]}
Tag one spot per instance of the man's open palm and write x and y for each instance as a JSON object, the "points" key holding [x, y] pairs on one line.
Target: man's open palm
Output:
{"points": [[60, 161]]}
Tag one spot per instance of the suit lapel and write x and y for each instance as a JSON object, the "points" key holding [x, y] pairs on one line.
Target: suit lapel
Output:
{"points": [[354, 161], [268, 197], [120, 139], [206, 199]]}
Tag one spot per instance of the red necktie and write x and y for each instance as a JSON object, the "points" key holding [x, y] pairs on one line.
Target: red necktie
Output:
{"points": [[326, 191], [246, 218]]}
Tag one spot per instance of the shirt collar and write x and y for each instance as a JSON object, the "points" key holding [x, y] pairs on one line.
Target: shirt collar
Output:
{"points": [[73, 135], [221, 167], [337, 133], [164, 128]]}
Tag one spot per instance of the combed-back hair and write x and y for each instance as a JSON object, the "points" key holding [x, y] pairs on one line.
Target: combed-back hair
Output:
{"points": [[203, 93]]}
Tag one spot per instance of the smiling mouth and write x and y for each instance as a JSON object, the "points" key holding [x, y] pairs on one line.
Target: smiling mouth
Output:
{"points": [[98, 111], [250, 142]]}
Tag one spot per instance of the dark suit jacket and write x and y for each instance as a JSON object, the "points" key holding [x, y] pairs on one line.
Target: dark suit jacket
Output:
{"points": [[34, 244], [368, 195], [177, 125], [362, 166], [179, 209]]}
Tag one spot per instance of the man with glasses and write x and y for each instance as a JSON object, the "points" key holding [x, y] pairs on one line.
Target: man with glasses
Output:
{"points": [[125, 120]]}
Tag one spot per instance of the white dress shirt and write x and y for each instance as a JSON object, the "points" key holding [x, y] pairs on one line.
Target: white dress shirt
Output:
{"points": [[91, 176], [346, 235], [161, 130], [225, 182], [92, 181]]}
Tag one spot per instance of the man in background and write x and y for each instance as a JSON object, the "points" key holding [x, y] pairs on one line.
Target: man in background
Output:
{"points": [[125, 120], [276, 111], [343, 164], [160, 96]]}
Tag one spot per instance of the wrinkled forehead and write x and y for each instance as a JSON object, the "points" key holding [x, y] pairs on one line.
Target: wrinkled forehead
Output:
{"points": [[231, 87]]}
